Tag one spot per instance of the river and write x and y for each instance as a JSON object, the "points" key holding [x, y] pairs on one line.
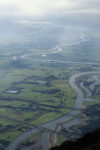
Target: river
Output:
{"points": [[54, 125]]}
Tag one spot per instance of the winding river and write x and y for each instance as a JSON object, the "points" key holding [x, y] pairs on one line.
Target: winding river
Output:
{"points": [[55, 125]]}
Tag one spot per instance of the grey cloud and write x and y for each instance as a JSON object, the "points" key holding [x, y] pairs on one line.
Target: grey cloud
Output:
{"points": [[79, 14], [45, 7]]}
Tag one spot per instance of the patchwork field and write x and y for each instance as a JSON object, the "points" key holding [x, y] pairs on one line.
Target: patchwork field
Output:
{"points": [[35, 90], [32, 96]]}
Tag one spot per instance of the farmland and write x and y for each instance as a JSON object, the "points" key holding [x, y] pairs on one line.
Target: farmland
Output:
{"points": [[35, 89]]}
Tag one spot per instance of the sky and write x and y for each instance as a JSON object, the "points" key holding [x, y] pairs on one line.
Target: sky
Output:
{"points": [[45, 17], [38, 8]]}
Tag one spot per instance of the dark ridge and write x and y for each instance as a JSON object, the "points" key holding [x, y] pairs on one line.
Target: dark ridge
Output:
{"points": [[90, 141]]}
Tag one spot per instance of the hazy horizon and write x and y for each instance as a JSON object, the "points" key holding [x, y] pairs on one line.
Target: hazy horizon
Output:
{"points": [[57, 18]]}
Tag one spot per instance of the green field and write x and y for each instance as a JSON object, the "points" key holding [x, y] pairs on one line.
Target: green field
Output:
{"points": [[34, 92], [43, 94]]}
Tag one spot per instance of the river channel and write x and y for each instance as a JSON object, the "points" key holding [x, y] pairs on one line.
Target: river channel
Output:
{"points": [[54, 125]]}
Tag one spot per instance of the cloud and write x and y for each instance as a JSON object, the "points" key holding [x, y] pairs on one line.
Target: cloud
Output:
{"points": [[31, 7], [47, 7]]}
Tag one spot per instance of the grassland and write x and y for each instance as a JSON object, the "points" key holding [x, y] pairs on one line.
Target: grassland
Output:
{"points": [[43, 94], [42, 89]]}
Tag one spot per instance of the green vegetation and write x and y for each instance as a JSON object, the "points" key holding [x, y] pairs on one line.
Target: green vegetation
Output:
{"points": [[9, 136], [42, 94], [45, 118], [34, 91], [88, 103]]}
